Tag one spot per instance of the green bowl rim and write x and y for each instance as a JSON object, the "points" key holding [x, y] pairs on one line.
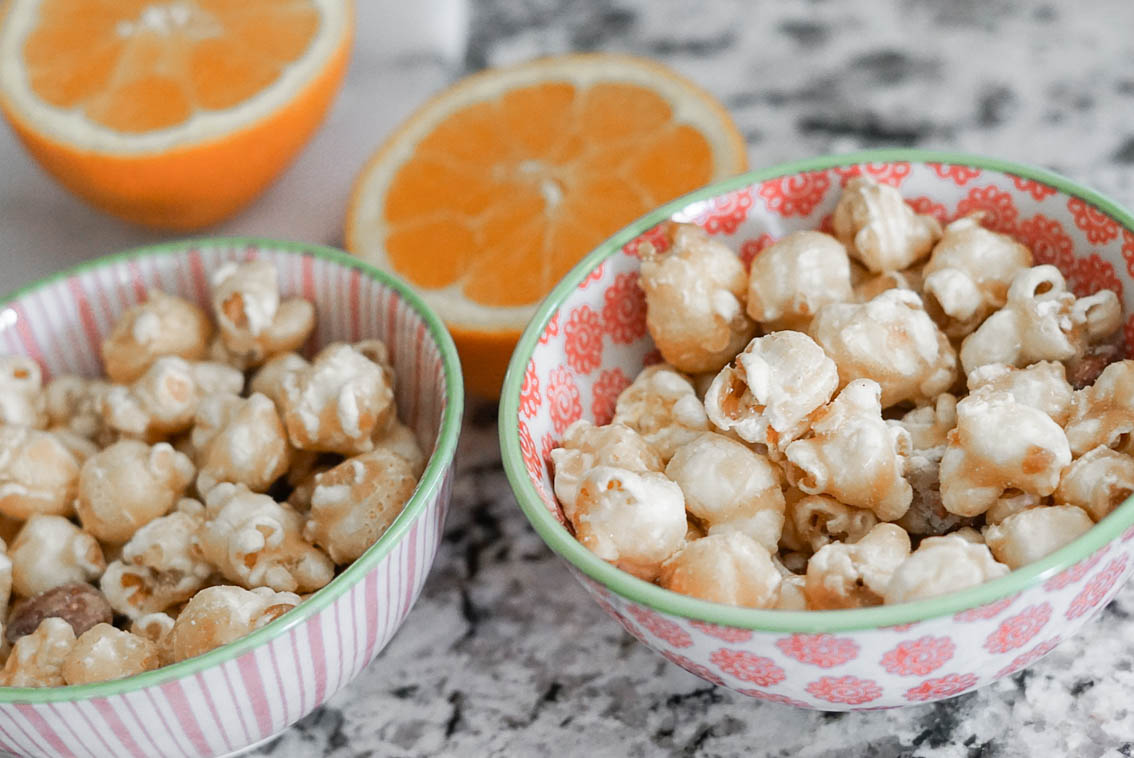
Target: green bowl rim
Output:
{"points": [[645, 593], [428, 486]]}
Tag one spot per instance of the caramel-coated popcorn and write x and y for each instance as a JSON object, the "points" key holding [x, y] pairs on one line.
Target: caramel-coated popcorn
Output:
{"points": [[243, 442], [218, 615], [793, 278], [662, 406], [1103, 414], [941, 565], [50, 551], [162, 325], [103, 653], [37, 659], [22, 401], [1029, 535], [585, 446], [1098, 481], [856, 574], [38, 473], [729, 568], [1041, 385], [817, 520], [255, 323], [879, 229]]}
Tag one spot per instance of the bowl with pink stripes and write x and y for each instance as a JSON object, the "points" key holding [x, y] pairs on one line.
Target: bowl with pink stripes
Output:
{"points": [[243, 693]]}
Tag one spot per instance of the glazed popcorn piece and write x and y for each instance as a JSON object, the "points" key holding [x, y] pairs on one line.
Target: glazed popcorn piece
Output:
{"points": [[400, 440], [890, 339], [50, 551], [336, 404], [585, 446], [162, 325], [777, 383], [1098, 482], [129, 484], [1029, 535], [729, 488], [941, 565], [968, 275], [1041, 385], [633, 520], [1000, 444], [254, 322], [695, 300], [929, 425], [853, 455], [354, 503], [222, 614], [790, 280], [103, 653], [160, 566], [75, 403], [793, 595], [662, 406], [269, 379], [155, 627], [869, 287], [729, 568], [37, 659], [256, 542], [38, 473], [1012, 502], [879, 229], [243, 441], [22, 401], [1103, 414], [817, 520], [855, 575], [1041, 321]]}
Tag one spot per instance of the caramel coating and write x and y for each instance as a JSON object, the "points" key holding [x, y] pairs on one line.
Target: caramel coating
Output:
{"points": [[879, 229], [22, 402], [75, 403], [1103, 414], [255, 324], [103, 653], [585, 446], [38, 473], [818, 520], [37, 658], [1029, 535], [162, 325], [222, 614], [941, 565], [242, 441], [1041, 385], [730, 568], [1098, 481], [269, 379], [662, 406], [793, 278], [855, 575], [50, 551]]}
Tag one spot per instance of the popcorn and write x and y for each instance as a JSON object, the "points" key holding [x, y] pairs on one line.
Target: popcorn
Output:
{"points": [[729, 568], [241, 441], [585, 446], [50, 551], [853, 455], [941, 565], [1103, 414], [38, 474], [1041, 385], [254, 322], [777, 383], [75, 403], [400, 440], [1098, 481], [890, 339], [222, 614], [162, 325], [818, 520], [695, 300], [37, 659], [1029, 535], [1012, 501], [855, 575], [879, 229], [661, 405], [790, 280], [269, 379], [929, 425], [103, 653], [22, 401]]}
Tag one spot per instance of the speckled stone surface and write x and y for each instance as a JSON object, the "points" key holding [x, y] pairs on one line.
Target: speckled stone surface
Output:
{"points": [[504, 654]]}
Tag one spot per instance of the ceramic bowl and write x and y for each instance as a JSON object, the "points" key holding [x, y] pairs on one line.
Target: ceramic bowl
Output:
{"points": [[244, 693], [588, 340]]}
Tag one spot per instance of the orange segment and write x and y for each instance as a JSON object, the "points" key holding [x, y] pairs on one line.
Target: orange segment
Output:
{"points": [[118, 97], [491, 192]]}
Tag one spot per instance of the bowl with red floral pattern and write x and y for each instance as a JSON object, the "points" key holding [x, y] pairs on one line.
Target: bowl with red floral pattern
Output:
{"points": [[588, 340]]}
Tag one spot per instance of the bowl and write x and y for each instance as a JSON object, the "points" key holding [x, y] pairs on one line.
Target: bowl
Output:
{"points": [[245, 692], [588, 340]]}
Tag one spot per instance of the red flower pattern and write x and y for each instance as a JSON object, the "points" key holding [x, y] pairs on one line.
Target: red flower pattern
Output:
{"points": [[546, 446], [563, 397], [1028, 658], [942, 687], [999, 208], [605, 394], [583, 344], [988, 611], [724, 213], [795, 195], [594, 276], [1016, 631], [530, 454], [919, 657], [661, 627], [845, 689], [693, 667], [1128, 250], [1091, 274], [1097, 588], [959, 174], [1037, 190], [751, 248], [726, 633], [1076, 572], [624, 309], [1048, 242], [774, 697], [530, 399], [1098, 226], [657, 236], [551, 330], [822, 650], [748, 667], [883, 173], [927, 207]]}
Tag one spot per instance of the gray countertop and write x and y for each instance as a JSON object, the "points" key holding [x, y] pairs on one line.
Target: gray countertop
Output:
{"points": [[504, 654]]}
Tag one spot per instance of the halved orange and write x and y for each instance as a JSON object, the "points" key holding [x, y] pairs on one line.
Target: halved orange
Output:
{"points": [[492, 190], [170, 113]]}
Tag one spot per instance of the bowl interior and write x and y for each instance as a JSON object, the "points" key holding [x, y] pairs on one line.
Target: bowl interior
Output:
{"points": [[588, 339], [61, 321]]}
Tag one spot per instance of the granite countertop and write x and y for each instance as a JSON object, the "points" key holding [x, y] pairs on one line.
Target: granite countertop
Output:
{"points": [[504, 654]]}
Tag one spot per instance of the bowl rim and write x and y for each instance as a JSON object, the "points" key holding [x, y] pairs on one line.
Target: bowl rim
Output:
{"points": [[428, 486], [772, 620]]}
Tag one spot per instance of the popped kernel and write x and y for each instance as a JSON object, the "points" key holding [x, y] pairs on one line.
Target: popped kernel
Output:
{"points": [[968, 275], [255, 323], [730, 568], [729, 488], [778, 381], [585, 446], [792, 279], [1013, 501], [129, 484], [853, 455], [870, 287], [22, 402], [254, 541], [400, 440], [1103, 414], [879, 229], [38, 473], [218, 615], [37, 659], [75, 403], [695, 300], [929, 425], [1098, 481], [103, 653], [941, 565], [662, 406], [154, 627], [890, 339], [1041, 385], [269, 379], [1029, 535], [818, 520], [633, 520], [50, 551], [855, 575], [354, 503], [162, 325], [244, 442]]}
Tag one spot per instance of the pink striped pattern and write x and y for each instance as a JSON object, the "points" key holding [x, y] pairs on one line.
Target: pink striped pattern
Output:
{"points": [[244, 700]]}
